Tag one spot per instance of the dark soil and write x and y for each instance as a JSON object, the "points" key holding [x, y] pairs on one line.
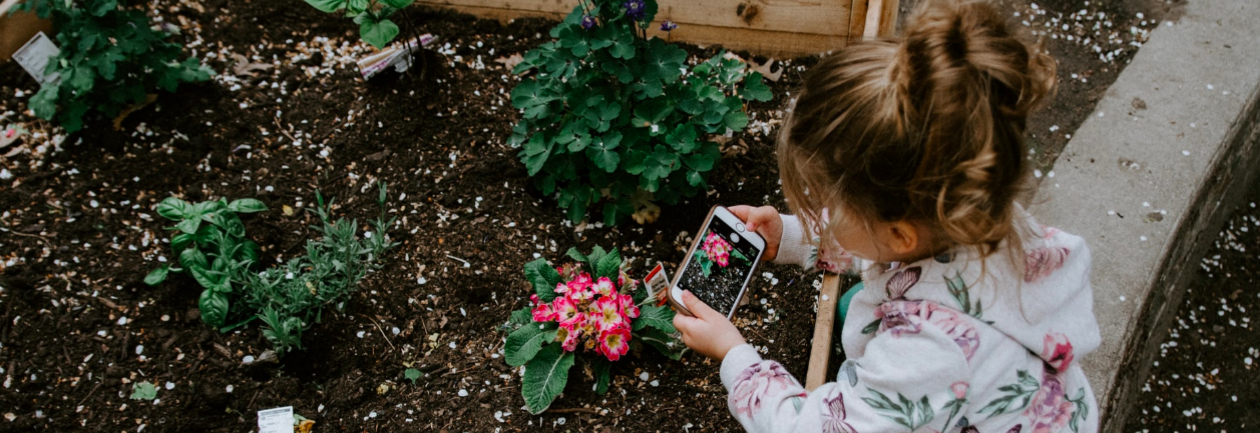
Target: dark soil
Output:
{"points": [[1204, 378], [80, 328]]}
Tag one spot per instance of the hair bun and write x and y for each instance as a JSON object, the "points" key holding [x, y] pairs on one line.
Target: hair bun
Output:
{"points": [[971, 42]]}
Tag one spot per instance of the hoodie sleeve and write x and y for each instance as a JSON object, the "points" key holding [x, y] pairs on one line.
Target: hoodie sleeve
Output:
{"points": [[912, 376], [796, 247]]}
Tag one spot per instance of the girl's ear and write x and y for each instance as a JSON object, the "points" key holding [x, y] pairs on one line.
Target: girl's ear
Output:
{"points": [[902, 237]]}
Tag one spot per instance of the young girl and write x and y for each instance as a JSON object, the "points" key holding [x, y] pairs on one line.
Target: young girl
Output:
{"points": [[908, 154]]}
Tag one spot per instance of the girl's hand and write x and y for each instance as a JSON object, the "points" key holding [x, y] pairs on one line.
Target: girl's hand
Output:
{"points": [[766, 222], [708, 333]]}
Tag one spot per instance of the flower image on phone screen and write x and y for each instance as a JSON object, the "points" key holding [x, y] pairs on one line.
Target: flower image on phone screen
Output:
{"points": [[719, 267]]}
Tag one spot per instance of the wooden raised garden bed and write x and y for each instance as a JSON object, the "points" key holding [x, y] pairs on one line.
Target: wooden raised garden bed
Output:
{"points": [[781, 28]]}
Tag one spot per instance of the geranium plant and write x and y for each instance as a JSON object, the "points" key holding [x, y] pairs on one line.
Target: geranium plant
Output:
{"points": [[612, 118], [589, 308], [716, 250]]}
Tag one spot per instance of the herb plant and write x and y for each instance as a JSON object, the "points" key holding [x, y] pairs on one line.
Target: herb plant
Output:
{"points": [[372, 16], [612, 118], [287, 298], [600, 313], [111, 57]]}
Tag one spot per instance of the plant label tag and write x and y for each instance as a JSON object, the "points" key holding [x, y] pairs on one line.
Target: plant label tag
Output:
{"points": [[278, 420], [35, 55], [398, 58], [657, 284]]}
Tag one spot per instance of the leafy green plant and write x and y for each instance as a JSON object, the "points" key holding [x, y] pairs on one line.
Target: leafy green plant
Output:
{"points": [[601, 314], [143, 391], [611, 117], [372, 16], [287, 298], [111, 57]]}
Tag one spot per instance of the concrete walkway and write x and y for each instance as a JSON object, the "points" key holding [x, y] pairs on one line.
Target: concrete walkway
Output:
{"points": [[1150, 177]]}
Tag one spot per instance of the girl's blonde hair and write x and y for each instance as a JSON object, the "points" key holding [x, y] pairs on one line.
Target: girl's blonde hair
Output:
{"points": [[928, 127]]}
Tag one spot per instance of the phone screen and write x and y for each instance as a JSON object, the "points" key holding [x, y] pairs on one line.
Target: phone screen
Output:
{"points": [[719, 267]]}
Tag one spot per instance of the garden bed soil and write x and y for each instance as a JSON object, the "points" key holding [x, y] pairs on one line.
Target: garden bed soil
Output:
{"points": [[80, 233]]}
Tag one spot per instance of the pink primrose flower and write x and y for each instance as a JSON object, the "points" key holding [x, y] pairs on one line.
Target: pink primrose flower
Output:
{"points": [[614, 342], [566, 310], [562, 288], [568, 337], [628, 308], [604, 287], [607, 314], [542, 311], [581, 282]]}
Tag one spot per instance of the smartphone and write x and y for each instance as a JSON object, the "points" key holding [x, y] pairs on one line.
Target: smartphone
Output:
{"points": [[719, 264]]}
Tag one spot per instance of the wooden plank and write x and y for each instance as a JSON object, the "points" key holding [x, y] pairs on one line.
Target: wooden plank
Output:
{"points": [[857, 20], [881, 19], [824, 330], [778, 44], [824, 17]]}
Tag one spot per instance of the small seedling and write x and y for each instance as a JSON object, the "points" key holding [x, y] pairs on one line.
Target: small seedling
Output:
{"points": [[412, 374], [143, 391]]}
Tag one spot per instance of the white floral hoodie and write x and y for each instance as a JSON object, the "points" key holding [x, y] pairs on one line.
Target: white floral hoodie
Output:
{"points": [[933, 347]]}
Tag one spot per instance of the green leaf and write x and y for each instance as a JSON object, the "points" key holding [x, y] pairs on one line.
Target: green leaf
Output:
{"points": [[705, 159], [661, 318], [575, 254], [378, 33], [601, 151], [157, 276], [398, 4], [609, 265], [173, 208], [682, 139], [189, 226], [214, 307], [544, 278], [524, 343], [44, 103], [193, 258], [100, 8], [522, 316], [755, 89], [412, 374], [735, 120], [532, 97], [181, 240], [356, 8], [623, 46], [143, 391], [601, 368], [545, 377], [327, 5], [246, 205]]}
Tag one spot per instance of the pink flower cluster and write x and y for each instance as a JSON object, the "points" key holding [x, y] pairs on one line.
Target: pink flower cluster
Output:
{"points": [[717, 249], [591, 313]]}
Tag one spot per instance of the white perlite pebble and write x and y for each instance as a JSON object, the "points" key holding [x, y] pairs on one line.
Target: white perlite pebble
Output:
{"points": [[643, 376], [229, 389], [122, 321], [170, 386], [249, 359], [139, 349], [463, 393]]}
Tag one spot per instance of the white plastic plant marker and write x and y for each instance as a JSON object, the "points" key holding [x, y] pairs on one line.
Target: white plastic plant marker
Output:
{"points": [[35, 55], [278, 420]]}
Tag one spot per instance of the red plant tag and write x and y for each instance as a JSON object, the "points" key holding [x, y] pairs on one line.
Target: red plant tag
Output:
{"points": [[657, 283]]}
